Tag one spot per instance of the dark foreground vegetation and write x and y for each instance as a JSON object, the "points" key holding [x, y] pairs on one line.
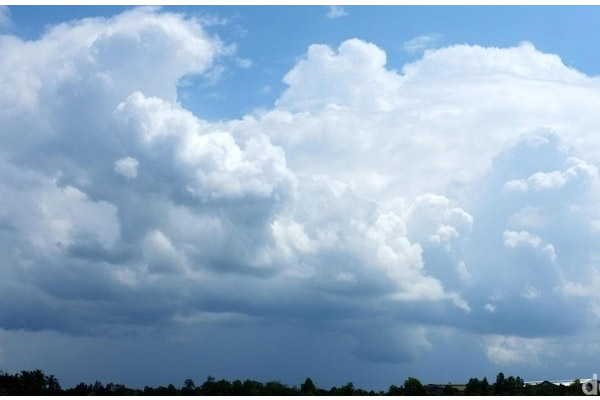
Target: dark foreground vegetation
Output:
{"points": [[35, 383]]}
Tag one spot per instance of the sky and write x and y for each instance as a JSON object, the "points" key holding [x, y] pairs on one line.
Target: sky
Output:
{"points": [[348, 193]]}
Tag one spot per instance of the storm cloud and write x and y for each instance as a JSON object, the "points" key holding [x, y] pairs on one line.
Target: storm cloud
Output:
{"points": [[458, 195]]}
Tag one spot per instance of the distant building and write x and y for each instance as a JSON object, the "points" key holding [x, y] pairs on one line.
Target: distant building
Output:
{"points": [[564, 382], [435, 389]]}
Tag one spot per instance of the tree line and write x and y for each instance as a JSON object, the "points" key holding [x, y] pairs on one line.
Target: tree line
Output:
{"points": [[36, 383]]}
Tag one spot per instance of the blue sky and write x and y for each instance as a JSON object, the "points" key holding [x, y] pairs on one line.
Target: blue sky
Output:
{"points": [[352, 193], [567, 31]]}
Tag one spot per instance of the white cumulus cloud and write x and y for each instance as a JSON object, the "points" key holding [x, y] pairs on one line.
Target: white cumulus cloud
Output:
{"points": [[362, 195], [513, 239], [555, 179]]}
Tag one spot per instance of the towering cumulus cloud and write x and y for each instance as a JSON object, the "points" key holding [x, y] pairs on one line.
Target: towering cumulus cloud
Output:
{"points": [[391, 208]]}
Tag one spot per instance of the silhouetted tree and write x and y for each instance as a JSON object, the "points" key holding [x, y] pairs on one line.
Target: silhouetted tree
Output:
{"points": [[474, 387], [80, 389], [33, 382], [413, 387], [275, 388], [450, 391], [346, 390], [98, 389], [36, 383], [252, 388], [237, 388], [9, 384], [575, 388], [486, 389], [500, 386], [188, 387], [52, 385], [308, 387], [394, 391]]}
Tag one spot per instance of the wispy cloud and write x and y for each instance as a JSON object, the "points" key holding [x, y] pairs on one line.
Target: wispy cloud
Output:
{"points": [[513, 349], [421, 43], [336, 12], [5, 20], [244, 63]]}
